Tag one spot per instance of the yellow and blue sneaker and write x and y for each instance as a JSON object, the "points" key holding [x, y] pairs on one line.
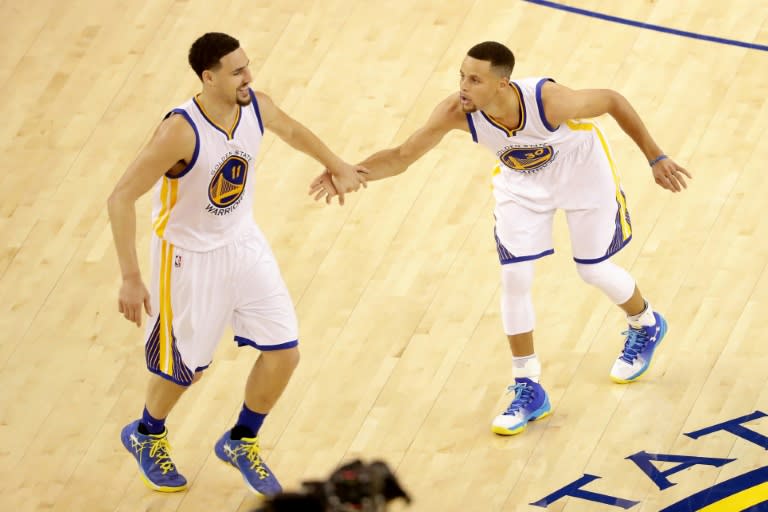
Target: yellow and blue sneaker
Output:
{"points": [[152, 452], [641, 343], [243, 454], [529, 404]]}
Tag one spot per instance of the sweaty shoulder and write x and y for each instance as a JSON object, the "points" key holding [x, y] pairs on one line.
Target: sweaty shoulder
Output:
{"points": [[450, 115]]}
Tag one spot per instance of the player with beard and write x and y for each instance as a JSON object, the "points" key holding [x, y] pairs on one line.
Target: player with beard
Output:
{"points": [[212, 265]]}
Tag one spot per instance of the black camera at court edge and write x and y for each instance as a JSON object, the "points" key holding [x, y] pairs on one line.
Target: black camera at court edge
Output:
{"points": [[355, 486]]}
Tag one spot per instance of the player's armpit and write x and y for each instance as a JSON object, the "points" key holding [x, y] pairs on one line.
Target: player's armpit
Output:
{"points": [[173, 142]]}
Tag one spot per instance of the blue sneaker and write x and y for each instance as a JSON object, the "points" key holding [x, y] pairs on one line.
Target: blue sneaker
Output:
{"points": [[530, 403], [243, 454], [638, 351], [152, 452]]}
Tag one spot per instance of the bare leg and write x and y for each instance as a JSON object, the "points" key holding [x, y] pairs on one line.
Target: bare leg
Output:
{"points": [[635, 304], [162, 395], [269, 377], [521, 344]]}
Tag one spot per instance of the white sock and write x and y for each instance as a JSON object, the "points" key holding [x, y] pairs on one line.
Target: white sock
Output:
{"points": [[644, 318], [526, 367]]}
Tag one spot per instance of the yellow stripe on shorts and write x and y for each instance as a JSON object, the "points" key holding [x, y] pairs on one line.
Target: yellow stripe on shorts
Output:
{"points": [[626, 229], [165, 362]]}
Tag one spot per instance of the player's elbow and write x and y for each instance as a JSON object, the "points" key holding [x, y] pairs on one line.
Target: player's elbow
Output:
{"points": [[403, 158], [615, 103], [117, 200]]}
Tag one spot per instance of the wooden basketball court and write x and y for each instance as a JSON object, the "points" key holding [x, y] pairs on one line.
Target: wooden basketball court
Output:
{"points": [[397, 293]]}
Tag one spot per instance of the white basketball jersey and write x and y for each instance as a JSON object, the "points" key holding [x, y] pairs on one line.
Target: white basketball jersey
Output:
{"points": [[537, 160], [211, 202]]}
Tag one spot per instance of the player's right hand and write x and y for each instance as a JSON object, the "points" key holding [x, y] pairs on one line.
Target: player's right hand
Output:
{"points": [[133, 294], [322, 187]]}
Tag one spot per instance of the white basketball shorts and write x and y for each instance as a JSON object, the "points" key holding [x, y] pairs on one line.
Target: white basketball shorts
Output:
{"points": [[585, 184], [195, 295]]}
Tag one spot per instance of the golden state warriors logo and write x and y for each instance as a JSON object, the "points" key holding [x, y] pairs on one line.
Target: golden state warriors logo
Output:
{"points": [[228, 182], [527, 160]]}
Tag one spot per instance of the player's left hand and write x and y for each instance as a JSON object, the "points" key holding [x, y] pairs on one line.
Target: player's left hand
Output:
{"points": [[669, 175]]}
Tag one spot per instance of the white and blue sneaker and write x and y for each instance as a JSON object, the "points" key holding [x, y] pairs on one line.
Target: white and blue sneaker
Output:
{"points": [[529, 404], [638, 351]]}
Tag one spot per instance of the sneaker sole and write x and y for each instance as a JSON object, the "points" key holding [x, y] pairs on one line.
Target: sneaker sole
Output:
{"points": [[160, 488], [534, 417], [662, 333]]}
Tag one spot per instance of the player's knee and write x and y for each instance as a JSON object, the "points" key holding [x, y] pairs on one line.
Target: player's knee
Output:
{"points": [[591, 274], [613, 280], [517, 278], [286, 359]]}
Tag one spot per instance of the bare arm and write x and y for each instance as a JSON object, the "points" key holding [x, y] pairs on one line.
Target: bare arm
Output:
{"points": [[562, 104], [300, 137], [447, 116], [173, 141]]}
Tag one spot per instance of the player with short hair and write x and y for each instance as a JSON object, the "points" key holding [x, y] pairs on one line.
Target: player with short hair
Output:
{"points": [[212, 265], [550, 157]]}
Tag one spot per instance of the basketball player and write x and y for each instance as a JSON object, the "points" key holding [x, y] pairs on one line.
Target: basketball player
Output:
{"points": [[212, 265], [548, 159]]}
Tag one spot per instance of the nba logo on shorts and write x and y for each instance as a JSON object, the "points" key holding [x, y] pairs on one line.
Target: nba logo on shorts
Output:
{"points": [[177, 261]]}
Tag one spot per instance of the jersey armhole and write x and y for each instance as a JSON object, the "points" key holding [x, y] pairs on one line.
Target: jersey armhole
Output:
{"points": [[256, 109], [191, 164], [540, 105]]}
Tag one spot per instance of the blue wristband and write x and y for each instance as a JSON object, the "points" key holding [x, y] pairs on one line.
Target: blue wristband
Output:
{"points": [[657, 159]]}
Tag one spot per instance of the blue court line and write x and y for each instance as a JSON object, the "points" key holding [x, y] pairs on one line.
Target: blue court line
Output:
{"points": [[649, 26]]}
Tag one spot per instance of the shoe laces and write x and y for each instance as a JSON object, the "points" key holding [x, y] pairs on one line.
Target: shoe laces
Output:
{"points": [[251, 451], [636, 341], [523, 396], [159, 451]]}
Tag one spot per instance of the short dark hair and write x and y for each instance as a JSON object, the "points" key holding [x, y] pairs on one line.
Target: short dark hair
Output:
{"points": [[206, 52], [501, 58]]}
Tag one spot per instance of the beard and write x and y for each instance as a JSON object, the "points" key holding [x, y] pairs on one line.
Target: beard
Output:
{"points": [[242, 102], [469, 110]]}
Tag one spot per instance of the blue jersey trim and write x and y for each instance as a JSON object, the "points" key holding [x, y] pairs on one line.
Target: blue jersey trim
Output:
{"points": [[191, 164], [241, 342], [517, 259], [585, 261], [185, 383], [472, 127], [540, 105], [227, 134], [256, 109], [523, 110]]}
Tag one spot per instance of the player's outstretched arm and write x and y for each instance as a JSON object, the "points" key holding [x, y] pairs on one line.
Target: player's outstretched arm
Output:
{"points": [[445, 117], [562, 104], [172, 144], [345, 176]]}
